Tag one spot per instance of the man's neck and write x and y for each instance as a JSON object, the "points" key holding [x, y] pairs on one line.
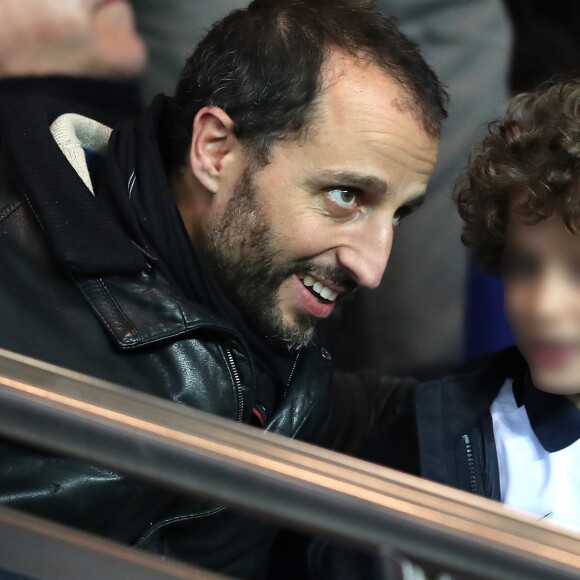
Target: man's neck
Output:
{"points": [[188, 198]]}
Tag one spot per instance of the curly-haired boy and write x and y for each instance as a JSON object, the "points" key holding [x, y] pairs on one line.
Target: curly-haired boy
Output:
{"points": [[508, 427]]}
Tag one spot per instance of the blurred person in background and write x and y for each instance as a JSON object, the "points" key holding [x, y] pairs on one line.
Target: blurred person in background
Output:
{"points": [[86, 51], [191, 252]]}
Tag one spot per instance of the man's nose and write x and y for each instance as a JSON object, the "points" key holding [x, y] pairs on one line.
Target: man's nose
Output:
{"points": [[366, 254]]}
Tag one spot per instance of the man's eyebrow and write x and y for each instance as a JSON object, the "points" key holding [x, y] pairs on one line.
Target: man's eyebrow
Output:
{"points": [[361, 181]]}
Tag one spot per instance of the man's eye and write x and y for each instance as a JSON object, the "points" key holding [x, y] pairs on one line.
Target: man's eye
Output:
{"points": [[343, 196]]}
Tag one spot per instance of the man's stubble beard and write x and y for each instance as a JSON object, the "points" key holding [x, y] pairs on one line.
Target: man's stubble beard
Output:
{"points": [[241, 253]]}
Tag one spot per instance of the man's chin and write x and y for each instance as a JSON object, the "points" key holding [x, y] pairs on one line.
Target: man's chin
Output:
{"points": [[292, 343], [292, 337]]}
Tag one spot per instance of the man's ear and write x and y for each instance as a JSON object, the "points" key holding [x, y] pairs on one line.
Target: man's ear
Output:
{"points": [[213, 142]]}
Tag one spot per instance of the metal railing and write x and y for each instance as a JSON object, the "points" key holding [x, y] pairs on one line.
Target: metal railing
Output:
{"points": [[35, 548], [305, 487]]}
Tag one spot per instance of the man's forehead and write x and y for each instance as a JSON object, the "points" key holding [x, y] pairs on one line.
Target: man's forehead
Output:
{"points": [[357, 89], [341, 67], [359, 78]]}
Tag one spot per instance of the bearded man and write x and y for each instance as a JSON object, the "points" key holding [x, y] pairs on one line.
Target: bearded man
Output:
{"points": [[190, 253]]}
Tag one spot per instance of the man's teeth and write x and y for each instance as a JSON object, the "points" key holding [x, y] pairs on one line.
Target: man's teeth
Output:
{"points": [[320, 289]]}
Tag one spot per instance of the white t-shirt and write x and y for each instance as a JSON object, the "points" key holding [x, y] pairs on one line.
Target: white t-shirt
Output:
{"points": [[533, 479]]}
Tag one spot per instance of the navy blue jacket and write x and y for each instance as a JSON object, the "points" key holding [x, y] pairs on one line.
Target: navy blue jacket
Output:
{"points": [[445, 433]]}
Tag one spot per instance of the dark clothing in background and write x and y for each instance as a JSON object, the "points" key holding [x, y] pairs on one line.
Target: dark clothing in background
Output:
{"points": [[117, 99], [546, 41]]}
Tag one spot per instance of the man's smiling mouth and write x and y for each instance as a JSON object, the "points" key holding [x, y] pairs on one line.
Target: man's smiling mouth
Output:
{"points": [[320, 291]]}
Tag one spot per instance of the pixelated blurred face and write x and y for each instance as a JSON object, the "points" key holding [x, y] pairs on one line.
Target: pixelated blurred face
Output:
{"points": [[541, 280], [94, 38], [294, 238]]}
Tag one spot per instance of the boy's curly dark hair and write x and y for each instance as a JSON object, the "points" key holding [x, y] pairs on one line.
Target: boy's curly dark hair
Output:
{"points": [[528, 168]]}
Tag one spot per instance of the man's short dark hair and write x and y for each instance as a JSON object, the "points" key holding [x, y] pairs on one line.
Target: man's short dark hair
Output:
{"points": [[262, 66], [527, 168]]}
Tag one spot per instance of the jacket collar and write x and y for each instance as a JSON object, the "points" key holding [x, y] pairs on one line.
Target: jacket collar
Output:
{"points": [[135, 305], [462, 399], [78, 226], [554, 419]]}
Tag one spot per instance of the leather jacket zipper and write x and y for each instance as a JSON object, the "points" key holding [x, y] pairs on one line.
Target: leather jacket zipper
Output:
{"points": [[470, 463], [291, 375], [237, 382]]}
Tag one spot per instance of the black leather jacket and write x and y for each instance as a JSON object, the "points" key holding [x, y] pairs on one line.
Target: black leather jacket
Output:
{"points": [[134, 329]]}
